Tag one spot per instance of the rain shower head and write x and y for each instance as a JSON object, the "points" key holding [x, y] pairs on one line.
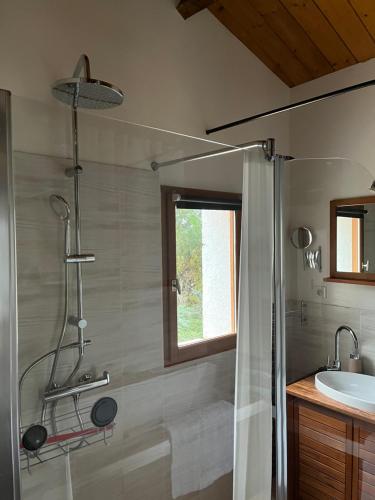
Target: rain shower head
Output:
{"points": [[86, 92], [372, 187], [60, 206]]}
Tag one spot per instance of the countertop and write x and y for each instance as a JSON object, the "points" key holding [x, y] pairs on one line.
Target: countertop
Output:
{"points": [[305, 389]]}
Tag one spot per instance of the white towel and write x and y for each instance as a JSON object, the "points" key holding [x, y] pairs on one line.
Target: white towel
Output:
{"points": [[202, 447]]}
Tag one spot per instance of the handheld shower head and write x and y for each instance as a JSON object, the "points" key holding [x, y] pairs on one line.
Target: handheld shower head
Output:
{"points": [[86, 92], [60, 207]]}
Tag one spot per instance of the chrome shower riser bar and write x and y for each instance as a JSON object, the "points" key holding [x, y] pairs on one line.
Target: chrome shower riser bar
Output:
{"points": [[76, 172], [77, 91]]}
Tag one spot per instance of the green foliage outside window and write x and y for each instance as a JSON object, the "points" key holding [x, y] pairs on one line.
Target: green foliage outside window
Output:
{"points": [[189, 273]]}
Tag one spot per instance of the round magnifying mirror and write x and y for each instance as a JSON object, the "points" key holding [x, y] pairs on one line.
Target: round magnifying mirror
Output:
{"points": [[301, 237]]}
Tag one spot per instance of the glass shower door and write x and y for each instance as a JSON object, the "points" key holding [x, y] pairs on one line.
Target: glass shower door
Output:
{"points": [[173, 433], [9, 475]]}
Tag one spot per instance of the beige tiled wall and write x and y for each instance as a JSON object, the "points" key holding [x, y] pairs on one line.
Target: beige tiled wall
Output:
{"points": [[122, 303], [312, 340], [311, 185]]}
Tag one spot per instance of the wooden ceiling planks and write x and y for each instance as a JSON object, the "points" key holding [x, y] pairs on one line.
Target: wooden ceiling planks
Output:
{"points": [[349, 27], [299, 40], [247, 37], [366, 12], [321, 32], [275, 48], [293, 35]]}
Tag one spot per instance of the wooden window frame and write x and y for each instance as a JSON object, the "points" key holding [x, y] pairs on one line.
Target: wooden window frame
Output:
{"points": [[346, 277], [173, 353]]}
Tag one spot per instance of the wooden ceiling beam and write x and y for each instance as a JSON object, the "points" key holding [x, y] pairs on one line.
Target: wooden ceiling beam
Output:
{"points": [[188, 8]]}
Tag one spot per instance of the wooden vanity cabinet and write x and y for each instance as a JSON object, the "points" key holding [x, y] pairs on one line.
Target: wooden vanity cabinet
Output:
{"points": [[331, 447], [321, 463], [363, 461]]}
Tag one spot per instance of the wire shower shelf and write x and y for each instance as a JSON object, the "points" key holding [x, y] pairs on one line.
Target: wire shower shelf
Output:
{"points": [[66, 434]]}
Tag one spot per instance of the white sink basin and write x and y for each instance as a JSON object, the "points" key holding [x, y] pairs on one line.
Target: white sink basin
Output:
{"points": [[351, 389]]}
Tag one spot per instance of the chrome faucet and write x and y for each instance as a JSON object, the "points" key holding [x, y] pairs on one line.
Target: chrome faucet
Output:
{"points": [[336, 365]]}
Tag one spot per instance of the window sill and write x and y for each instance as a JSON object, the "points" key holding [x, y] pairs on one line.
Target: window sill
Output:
{"points": [[350, 281], [202, 349]]}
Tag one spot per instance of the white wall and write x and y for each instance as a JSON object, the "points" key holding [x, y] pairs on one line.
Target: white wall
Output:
{"points": [[341, 127], [178, 75]]}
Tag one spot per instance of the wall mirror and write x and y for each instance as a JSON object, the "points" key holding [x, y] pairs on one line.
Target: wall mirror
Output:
{"points": [[301, 237], [352, 242]]}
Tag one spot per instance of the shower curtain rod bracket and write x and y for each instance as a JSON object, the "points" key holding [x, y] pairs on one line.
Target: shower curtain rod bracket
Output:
{"points": [[269, 149]]}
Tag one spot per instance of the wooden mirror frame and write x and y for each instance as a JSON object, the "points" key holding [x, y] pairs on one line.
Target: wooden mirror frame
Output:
{"points": [[342, 277]]}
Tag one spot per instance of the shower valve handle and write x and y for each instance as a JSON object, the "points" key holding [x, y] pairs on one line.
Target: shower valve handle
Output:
{"points": [[79, 322]]}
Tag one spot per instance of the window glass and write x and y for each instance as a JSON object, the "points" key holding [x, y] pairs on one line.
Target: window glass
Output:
{"points": [[348, 245], [206, 273]]}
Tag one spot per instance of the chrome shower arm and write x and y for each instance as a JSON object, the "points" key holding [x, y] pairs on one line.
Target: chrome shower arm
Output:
{"points": [[82, 64]]}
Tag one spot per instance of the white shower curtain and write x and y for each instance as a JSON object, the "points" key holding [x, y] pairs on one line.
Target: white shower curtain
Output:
{"points": [[253, 424]]}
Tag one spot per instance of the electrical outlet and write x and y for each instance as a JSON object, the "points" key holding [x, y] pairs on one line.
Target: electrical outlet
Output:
{"points": [[321, 291]]}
